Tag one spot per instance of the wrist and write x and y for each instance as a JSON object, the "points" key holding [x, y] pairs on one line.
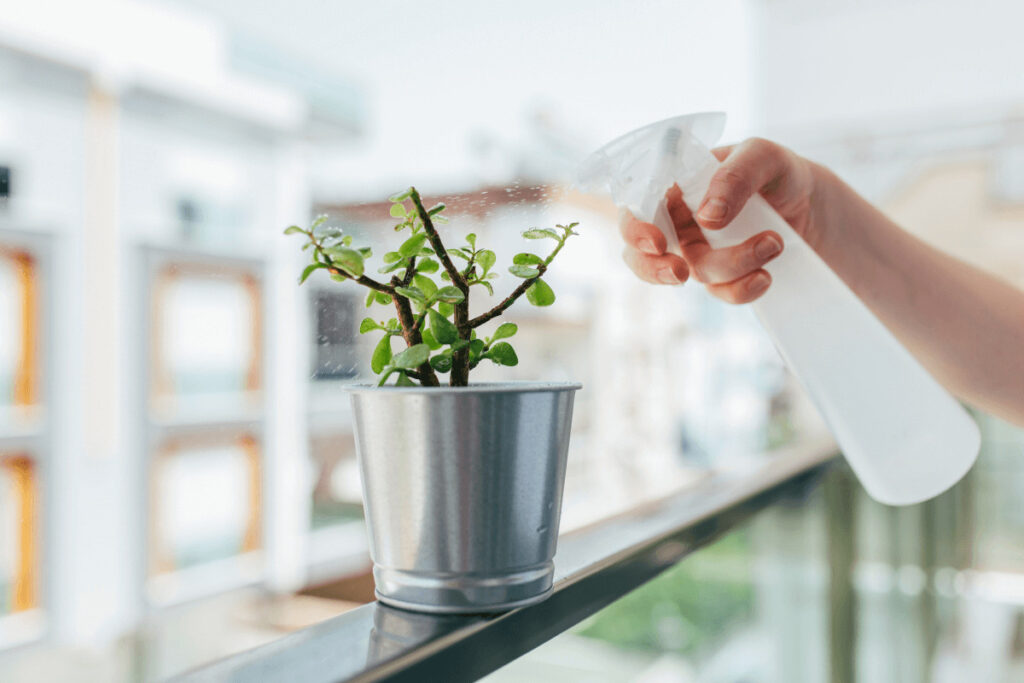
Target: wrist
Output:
{"points": [[826, 206]]}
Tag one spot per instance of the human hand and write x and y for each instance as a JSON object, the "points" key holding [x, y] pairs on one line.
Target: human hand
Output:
{"points": [[734, 274]]}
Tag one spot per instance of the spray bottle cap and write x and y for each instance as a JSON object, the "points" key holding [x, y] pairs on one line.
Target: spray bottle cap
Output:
{"points": [[629, 167]]}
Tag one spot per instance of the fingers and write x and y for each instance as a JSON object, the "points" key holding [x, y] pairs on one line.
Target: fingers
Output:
{"points": [[744, 290], [642, 236], [666, 269], [746, 169], [721, 266]]}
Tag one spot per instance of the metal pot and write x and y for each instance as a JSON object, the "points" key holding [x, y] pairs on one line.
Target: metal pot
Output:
{"points": [[463, 491]]}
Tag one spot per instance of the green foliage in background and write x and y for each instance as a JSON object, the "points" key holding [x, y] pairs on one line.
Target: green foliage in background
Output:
{"points": [[431, 293], [689, 609]]}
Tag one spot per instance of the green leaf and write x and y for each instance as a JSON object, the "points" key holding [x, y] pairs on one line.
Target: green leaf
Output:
{"points": [[411, 246], [527, 259], [392, 256], [444, 330], [349, 260], [450, 295], [412, 357], [293, 230], [540, 294], [383, 298], [367, 252], [429, 340], [404, 381], [425, 285], [486, 259], [461, 253], [471, 239], [476, 347], [427, 265], [400, 196], [381, 355], [446, 276], [308, 270], [371, 296], [369, 324], [411, 293], [393, 325], [460, 344], [318, 221], [394, 266], [440, 219], [436, 209], [541, 233], [398, 210], [445, 309], [487, 285], [524, 272], [502, 353], [442, 362], [504, 331]]}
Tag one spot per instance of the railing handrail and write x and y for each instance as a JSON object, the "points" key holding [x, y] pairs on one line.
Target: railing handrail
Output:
{"points": [[595, 566]]}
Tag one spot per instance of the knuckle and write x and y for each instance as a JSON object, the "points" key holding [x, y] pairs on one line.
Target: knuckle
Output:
{"points": [[733, 179], [702, 272]]}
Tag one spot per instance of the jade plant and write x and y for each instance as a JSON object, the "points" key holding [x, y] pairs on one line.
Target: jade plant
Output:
{"points": [[432, 317]]}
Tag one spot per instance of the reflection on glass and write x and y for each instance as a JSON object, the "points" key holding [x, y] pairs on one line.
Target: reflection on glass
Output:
{"points": [[206, 503], [17, 534], [207, 333], [337, 339], [336, 494]]}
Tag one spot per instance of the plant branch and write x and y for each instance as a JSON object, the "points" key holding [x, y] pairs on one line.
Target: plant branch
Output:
{"points": [[413, 337], [509, 300], [334, 270], [435, 242]]}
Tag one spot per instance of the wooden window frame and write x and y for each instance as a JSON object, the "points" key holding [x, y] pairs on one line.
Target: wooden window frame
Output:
{"points": [[160, 555], [27, 373], [162, 386], [22, 469]]}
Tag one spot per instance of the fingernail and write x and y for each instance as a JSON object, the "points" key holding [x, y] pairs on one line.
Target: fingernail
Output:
{"points": [[758, 282], [713, 210], [766, 247], [667, 276], [648, 246]]}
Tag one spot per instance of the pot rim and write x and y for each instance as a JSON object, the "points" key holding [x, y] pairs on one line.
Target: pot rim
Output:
{"points": [[521, 387]]}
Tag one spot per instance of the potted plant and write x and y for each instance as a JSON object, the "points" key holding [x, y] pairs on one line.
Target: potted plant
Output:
{"points": [[462, 483]]}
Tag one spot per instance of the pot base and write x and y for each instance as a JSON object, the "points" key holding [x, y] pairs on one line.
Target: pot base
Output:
{"points": [[453, 593]]}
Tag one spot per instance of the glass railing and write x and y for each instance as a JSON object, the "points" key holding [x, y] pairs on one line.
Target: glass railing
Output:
{"points": [[599, 568]]}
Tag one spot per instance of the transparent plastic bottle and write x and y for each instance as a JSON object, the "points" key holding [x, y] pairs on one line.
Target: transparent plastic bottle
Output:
{"points": [[905, 437]]}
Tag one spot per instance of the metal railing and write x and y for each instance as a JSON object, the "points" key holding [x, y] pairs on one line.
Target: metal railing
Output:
{"points": [[595, 566]]}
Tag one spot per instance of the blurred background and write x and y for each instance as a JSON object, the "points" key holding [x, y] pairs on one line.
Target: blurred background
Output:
{"points": [[177, 470]]}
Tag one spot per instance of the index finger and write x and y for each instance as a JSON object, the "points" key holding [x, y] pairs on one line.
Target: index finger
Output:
{"points": [[643, 236]]}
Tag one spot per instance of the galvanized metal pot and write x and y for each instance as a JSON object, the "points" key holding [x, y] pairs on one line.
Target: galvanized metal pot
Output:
{"points": [[463, 491]]}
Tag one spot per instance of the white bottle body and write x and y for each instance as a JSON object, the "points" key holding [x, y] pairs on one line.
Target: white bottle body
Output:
{"points": [[904, 436]]}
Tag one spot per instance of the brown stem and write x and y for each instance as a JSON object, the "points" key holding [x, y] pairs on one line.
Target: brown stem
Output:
{"points": [[508, 301], [364, 281], [436, 244], [459, 376], [413, 337]]}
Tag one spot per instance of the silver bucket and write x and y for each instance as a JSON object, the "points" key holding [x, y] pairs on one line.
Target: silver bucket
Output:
{"points": [[463, 491]]}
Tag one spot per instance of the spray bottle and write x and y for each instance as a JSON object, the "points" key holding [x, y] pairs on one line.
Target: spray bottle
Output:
{"points": [[904, 436]]}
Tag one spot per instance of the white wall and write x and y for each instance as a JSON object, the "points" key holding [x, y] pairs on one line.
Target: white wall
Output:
{"points": [[837, 64]]}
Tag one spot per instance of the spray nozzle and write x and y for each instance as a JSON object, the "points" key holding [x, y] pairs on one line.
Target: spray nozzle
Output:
{"points": [[650, 159]]}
